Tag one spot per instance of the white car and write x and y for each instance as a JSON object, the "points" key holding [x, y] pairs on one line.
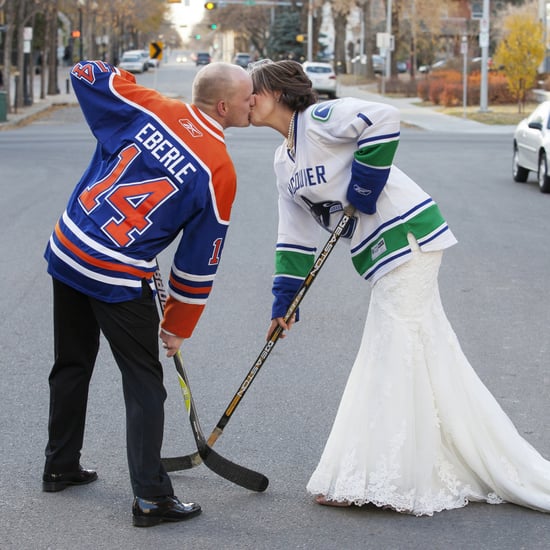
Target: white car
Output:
{"points": [[144, 56], [532, 147], [153, 62], [131, 62], [322, 76]]}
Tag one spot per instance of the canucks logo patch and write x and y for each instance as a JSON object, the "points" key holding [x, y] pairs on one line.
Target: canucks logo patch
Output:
{"points": [[323, 111]]}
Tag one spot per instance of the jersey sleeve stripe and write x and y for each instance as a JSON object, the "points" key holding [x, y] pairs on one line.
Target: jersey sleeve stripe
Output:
{"points": [[190, 276], [380, 138], [296, 247], [189, 290]]}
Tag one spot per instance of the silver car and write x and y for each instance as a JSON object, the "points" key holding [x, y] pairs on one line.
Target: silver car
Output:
{"points": [[322, 76], [132, 62], [532, 147]]}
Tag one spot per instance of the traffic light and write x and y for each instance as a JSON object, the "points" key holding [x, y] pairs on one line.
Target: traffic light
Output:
{"points": [[210, 6], [300, 37], [197, 37], [214, 26]]}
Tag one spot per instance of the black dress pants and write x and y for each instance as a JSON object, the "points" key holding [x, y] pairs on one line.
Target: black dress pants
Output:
{"points": [[131, 328]]}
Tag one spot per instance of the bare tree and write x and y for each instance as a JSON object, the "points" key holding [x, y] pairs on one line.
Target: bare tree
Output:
{"points": [[10, 18], [340, 12], [50, 50]]}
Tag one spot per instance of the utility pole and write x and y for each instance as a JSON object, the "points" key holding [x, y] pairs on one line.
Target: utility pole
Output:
{"points": [[484, 44], [388, 30], [384, 43], [543, 21]]}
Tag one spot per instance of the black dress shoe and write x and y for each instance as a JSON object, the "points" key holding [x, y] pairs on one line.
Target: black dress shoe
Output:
{"points": [[148, 512], [52, 483]]}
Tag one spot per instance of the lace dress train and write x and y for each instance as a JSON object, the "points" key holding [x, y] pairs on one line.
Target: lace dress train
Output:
{"points": [[416, 429]]}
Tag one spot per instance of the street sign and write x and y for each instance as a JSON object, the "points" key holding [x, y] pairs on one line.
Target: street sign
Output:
{"points": [[385, 41], [155, 50], [483, 39], [477, 10]]}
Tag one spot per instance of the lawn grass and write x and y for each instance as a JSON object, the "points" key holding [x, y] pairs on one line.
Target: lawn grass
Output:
{"points": [[495, 114]]}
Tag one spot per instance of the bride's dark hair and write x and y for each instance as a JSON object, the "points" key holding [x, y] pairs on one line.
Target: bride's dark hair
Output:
{"points": [[285, 76]]}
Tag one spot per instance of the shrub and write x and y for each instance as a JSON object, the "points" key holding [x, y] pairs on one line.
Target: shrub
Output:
{"points": [[446, 88]]}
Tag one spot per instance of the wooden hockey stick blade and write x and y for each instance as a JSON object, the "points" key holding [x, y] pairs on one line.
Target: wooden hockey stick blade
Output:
{"points": [[173, 464]]}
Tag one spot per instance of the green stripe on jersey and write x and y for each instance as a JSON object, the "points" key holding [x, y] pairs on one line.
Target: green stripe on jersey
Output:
{"points": [[380, 154], [395, 238], [294, 264]]}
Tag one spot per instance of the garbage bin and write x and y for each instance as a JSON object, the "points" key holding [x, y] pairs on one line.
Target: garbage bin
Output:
{"points": [[3, 106]]}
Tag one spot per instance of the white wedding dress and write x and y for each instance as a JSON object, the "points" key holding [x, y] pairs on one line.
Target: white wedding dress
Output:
{"points": [[416, 429]]}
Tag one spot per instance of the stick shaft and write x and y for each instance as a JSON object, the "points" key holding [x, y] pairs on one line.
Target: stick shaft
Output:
{"points": [[193, 459]]}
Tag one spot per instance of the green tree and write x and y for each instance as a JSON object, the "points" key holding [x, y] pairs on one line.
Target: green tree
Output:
{"points": [[520, 53], [282, 40]]}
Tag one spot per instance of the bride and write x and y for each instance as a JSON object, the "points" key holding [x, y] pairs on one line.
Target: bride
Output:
{"points": [[416, 429]]}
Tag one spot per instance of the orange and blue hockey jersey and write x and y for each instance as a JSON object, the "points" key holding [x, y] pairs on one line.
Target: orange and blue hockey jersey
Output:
{"points": [[160, 169]]}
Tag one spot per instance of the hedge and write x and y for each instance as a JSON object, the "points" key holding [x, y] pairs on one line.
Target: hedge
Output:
{"points": [[445, 87]]}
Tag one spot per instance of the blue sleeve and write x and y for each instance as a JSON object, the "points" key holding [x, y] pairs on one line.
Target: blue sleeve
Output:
{"points": [[284, 289], [103, 110]]}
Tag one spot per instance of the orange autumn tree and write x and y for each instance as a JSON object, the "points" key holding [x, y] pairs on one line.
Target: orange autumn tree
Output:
{"points": [[520, 53]]}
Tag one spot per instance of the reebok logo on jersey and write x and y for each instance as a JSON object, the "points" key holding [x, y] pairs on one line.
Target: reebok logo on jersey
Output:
{"points": [[361, 190], [190, 127]]}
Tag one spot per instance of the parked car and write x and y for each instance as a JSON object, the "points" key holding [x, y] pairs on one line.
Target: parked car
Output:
{"points": [[131, 62], [153, 62], [144, 56], [322, 76], [434, 66], [378, 62], [203, 58], [532, 147], [476, 63], [242, 59]]}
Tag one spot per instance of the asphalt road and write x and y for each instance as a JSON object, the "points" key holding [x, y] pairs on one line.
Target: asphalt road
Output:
{"points": [[494, 285]]}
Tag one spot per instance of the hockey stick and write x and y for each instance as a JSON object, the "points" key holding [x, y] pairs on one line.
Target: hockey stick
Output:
{"points": [[173, 464], [239, 475]]}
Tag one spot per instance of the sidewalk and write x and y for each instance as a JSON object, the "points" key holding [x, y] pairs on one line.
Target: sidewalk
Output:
{"points": [[26, 114], [411, 114]]}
